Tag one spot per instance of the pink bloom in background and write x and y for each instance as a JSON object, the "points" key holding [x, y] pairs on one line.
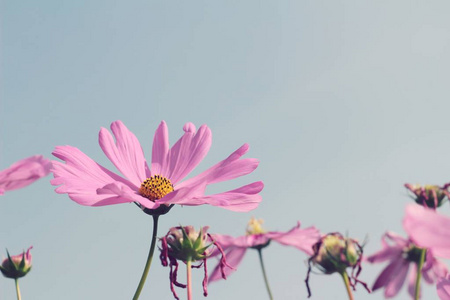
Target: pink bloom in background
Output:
{"points": [[443, 287], [88, 183], [428, 229], [23, 173], [401, 253], [256, 238], [16, 266]]}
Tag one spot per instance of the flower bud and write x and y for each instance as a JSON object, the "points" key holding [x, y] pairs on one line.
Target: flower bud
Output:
{"points": [[334, 253], [187, 244], [16, 266], [428, 195]]}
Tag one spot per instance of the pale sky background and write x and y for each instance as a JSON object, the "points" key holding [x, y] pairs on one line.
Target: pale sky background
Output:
{"points": [[342, 101]]}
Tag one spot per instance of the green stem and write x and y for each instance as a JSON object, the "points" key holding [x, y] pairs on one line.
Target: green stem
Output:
{"points": [[17, 289], [347, 285], [419, 273], [149, 259], [189, 279], [264, 274]]}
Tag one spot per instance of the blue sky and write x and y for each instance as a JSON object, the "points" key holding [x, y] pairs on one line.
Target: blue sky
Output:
{"points": [[342, 102]]}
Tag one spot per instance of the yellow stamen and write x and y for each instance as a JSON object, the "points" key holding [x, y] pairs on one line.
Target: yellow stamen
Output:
{"points": [[254, 226], [155, 187]]}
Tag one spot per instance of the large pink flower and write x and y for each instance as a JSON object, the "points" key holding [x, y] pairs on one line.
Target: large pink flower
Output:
{"points": [[23, 173], [88, 183], [401, 253], [256, 238]]}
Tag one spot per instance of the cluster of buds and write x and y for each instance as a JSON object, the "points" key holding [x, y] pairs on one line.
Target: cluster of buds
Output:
{"points": [[16, 266], [184, 243], [431, 196], [335, 253]]}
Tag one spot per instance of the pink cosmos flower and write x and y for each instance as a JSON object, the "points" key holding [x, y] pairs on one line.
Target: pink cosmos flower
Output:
{"points": [[88, 183], [443, 287], [23, 173], [428, 229], [257, 238], [401, 253]]}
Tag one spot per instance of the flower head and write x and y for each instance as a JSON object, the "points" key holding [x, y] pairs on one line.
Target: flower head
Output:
{"points": [[184, 243], [16, 266], [431, 196], [157, 187], [23, 173], [401, 254], [258, 238], [335, 253]]}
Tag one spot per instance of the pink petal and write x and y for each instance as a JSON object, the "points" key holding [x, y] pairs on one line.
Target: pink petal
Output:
{"points": [[389, 252], [234, 256], [187, 152], [160, 150], [242, 199], [443, 288], [412, 282], [302, 239], [392, 277], [428, 229], [80, 177], [126, 153], [23, 173], [121, 193], [230, 168]]}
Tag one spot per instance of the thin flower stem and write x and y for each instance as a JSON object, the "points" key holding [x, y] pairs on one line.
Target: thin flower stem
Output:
{"points": [[264, 274], [17, 289], [419, 273], [189, 279], [149, 259], [347, 285]]}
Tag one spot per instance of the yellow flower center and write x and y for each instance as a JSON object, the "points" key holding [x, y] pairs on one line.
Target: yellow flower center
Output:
{"points": [[254, 226], [155, 187]]}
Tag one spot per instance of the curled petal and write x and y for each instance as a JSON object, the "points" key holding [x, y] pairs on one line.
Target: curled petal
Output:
{"points": [[443, 288], [23, 173], [302, 239], [234, 256]]}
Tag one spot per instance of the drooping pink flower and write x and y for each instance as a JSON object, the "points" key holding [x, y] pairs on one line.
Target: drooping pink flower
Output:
{"points": [[160, 184], [16, 266], [428, 229], [401, 253], [257, 238], [23, 173], [443, 287], [185, 243]]}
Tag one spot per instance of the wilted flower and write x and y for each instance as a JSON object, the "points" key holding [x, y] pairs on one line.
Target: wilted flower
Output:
{"points": [[431, 196], [16, 266], [257, 238], [401, 253], [188, 245], [23, 173], [335, 253], [88, 183]]}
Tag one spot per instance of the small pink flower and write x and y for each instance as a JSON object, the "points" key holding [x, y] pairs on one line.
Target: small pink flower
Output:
{"points": [[23, 173], [185, 243], [160, 184], [401, 253], [16, 266], [257, 238], [443, 287]]}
